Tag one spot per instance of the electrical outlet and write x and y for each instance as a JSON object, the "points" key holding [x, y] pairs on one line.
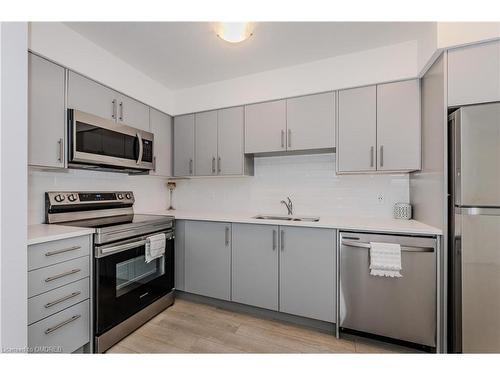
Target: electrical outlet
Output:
{"points": [[380, 198]]}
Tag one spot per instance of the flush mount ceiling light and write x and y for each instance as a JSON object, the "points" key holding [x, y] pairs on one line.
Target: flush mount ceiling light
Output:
{"points": [[234, 32]]}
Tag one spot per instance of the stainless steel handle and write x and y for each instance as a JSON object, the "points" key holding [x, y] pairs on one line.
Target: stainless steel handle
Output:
{"points": [[381, 156], [213, 164], [61, 150], [121, 111], [55, 252], [52, 278], [275, 239], [219, 168], [141, 149], [227, 236], [62, 299], [112, 249], [154, 163], [412, 249], [282, 240], [113, 114], [190, 166], [372, 155], [289, 137], [72, 319], [282, 138]]}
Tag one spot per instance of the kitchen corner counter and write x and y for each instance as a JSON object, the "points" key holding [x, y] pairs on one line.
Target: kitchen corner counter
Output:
{"points": [[39, 233], [364, 224]]}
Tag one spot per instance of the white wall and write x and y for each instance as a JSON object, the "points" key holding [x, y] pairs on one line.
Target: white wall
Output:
{"points": [[454, 34], [13, 183], [390, 63], [65, 46], [309, 180], [150, 191]]}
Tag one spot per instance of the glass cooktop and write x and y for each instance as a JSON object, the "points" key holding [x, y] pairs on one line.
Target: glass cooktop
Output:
{"points": [[111, 221]]}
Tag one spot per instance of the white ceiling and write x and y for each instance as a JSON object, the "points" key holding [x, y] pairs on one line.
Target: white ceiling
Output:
{"points": [[187, 54]]}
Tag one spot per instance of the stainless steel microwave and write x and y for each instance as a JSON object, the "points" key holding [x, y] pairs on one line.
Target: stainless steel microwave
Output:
{"points": [[98, 143]]}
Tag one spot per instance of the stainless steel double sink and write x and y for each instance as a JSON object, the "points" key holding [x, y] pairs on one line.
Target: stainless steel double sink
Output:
{"points": [[287, 218]]}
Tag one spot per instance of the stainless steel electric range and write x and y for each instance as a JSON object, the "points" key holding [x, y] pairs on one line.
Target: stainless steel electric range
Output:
{"points": [[127, 290]]}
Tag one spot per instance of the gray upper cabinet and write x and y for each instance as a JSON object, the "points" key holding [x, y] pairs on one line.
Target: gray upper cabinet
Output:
{"points": [[398, 126], [45, 113], [230, 141], [307, 272], [132, 113], [265, 127], [206, 143], [311, 122], [255, 265], [357, 137], [474, 74], [184, 145], [91, 97], [161, 127], [207, 259]]}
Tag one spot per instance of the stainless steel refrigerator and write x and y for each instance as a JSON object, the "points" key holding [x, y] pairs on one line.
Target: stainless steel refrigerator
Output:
{"points": [[474, 181]]}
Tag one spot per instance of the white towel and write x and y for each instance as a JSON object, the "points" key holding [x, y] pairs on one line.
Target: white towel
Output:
{"points": [[385, 259], [155, 247]]}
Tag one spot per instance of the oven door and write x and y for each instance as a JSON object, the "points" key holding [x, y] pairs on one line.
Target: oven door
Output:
{"points": [[125, 283], [98, 141]]}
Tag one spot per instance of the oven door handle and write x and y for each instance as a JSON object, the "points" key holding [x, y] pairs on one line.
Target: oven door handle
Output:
{"points": [[141, 149], [126, 246]]}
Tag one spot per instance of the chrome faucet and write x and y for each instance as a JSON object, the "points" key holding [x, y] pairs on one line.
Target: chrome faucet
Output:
{"points": [[289, 205]]}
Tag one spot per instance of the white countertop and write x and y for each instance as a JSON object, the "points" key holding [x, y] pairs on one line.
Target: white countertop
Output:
{"points": [[39, 233], [335, 222]]}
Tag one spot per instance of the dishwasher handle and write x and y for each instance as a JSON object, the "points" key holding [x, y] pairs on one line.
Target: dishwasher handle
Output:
{"points": [[411, 249]]}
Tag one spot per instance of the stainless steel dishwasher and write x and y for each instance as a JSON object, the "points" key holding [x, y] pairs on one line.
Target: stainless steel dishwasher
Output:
{"points": [[399, 308]]}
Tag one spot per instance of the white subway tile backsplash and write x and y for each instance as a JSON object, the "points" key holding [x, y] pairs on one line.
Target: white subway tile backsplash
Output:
{"points": [[310, 181]]}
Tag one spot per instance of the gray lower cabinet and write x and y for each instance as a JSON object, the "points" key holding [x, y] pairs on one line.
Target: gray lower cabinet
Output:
{"points": [[311, 122], [307, 272], [45, 113], [207, 259], [255, 265], [59, 293], [179, 246], [161, 127], [184, 145], [206, 143], [474, 74]]}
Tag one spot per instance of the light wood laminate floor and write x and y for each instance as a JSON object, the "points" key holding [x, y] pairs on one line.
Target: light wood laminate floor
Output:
{"points": [[189, 327]]}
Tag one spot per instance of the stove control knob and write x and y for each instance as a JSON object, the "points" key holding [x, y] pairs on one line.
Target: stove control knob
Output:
{"points": [[120, 196], [59, 198], [128, 196], [72, 197]]}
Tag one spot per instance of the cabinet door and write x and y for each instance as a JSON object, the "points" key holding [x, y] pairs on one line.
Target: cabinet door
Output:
{"points": [[357, 116], [184, 145], [206, 143], [91, 97], [255, 265], [265, 127], [311, 122], [398, 126], [307, 272], [179, 253], [161, 127], [474, 74], [45, 113], [207, 259], [230, 141], [133, 113]]}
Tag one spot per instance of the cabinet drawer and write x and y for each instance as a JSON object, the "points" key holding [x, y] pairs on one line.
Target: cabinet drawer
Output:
{"points": [[48, 278], [48, 253], [43, 305], [63, 332]]}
